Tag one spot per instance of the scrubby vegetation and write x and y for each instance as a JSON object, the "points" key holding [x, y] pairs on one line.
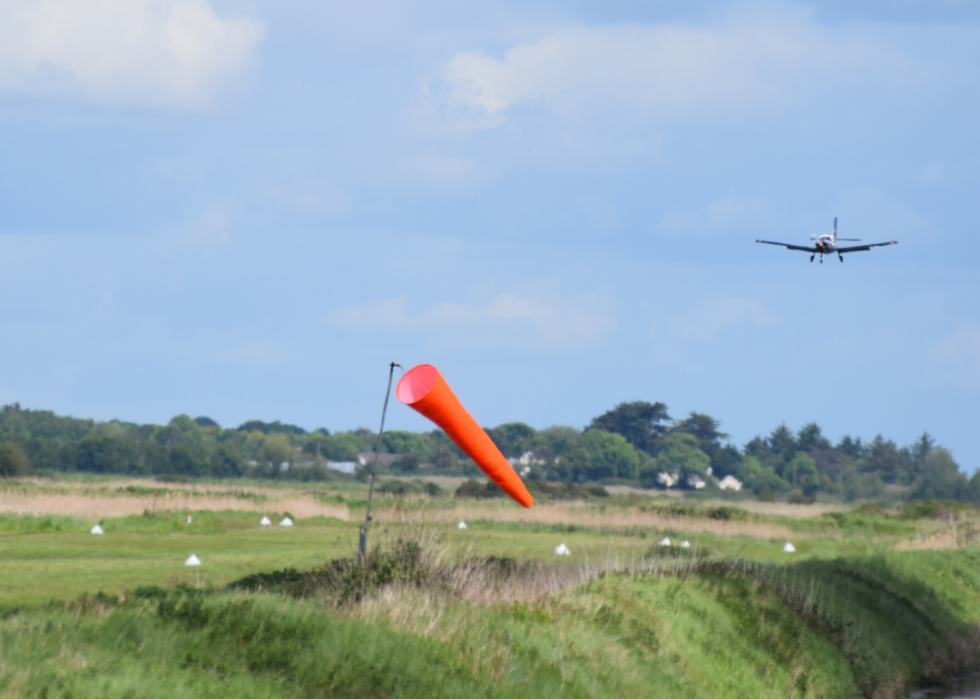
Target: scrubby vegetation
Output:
{"points": [[413, 620]]}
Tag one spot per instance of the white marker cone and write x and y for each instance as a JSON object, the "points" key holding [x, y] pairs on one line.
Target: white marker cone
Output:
{"points": [[97, 529], [685, 544], [286, 522], [265, 522], [789, 548], [562, 550], [193, 561], [665, 541], [462, 525]]}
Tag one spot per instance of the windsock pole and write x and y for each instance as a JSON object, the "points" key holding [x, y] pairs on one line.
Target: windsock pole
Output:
{"points": [[362, 543]]}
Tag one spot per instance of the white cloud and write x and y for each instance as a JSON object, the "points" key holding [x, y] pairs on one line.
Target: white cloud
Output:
{"points": [[506, 321], [714, 314], [717, 217], [959, 354], [743, 65], [154, 52]]}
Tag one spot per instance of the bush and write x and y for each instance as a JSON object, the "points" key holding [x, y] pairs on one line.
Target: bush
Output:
{"points": [[13, 460], [346, 580], [398, 488], [798, 497], [932, 509], [481, 491]]}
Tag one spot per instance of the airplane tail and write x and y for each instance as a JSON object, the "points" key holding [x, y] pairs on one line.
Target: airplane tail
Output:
{"points": [[855, 240]]}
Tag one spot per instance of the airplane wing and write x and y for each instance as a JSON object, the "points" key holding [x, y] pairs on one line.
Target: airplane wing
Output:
{"points": [[788, 246], [861, 248]]}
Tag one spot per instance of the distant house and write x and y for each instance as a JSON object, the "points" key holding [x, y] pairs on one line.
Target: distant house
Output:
{"points": [[695, 481], [366, 458], [667, 480], [525, 459], [730, 483], [342, 466]]}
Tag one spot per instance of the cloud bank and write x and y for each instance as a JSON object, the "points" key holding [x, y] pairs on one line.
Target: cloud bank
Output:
{"points": [[744, 65], [170, 53]]}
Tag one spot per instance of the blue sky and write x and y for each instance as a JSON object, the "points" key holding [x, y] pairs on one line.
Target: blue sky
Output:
{"points": [[247, 209]]}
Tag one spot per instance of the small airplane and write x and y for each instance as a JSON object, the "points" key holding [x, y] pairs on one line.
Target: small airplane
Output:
{"points": [[827, 245]]}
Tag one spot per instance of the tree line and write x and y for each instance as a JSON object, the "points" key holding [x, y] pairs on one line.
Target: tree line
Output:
{"points": [[634, 443]]}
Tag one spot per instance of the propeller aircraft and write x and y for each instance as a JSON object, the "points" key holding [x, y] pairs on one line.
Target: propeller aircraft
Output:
{"points": [[827, 245]]}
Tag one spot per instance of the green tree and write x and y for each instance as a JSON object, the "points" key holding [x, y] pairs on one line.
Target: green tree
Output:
{"points": [[514, 439], [920, 450], [889, 463], [804, 474], [649, 470], [939, 478], [276, 450], [13, 460], [342, 446], [860, 486], [407, 463], [400, 442], [851, 448], [682, 456], [704, 428], [726, 461], [758, 478], [99, 453], [560, 439], [641, 423], [226, 463], [180, 460], [601, 454], [810, 437]]}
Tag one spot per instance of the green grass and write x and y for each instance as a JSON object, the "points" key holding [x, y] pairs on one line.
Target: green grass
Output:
{"points": [[54, 557], [194, 646], [842, 617], [49, 564], [845, 628]]}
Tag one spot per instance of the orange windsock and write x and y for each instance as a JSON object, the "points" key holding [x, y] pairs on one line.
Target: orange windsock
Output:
{"points": [[423, 388]]}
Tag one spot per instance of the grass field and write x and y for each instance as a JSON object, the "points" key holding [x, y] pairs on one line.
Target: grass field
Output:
{"points": [[872, 602]]}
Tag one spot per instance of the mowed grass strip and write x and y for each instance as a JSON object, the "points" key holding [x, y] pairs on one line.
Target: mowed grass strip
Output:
{"points": [[54, 557], [42, 565]]}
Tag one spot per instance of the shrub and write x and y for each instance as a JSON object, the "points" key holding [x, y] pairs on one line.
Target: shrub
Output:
{"points": [[347, 579], [13, 460], [475, 489], [798, 497], [398, 488]]}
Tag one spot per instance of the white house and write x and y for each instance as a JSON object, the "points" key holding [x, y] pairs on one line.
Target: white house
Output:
{"points": [[695, 481], [730, 483]]}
